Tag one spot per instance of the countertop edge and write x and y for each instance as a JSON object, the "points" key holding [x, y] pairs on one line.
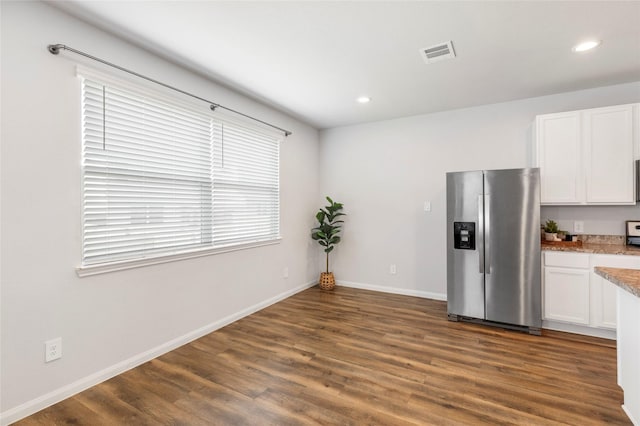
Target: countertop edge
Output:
{"points": [[616, 249], [627, 279]]}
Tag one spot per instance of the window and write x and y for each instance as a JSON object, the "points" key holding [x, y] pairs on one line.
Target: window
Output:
{"points": [[246, 203], [162, 178]]}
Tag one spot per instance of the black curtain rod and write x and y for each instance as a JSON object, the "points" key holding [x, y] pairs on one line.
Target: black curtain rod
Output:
{"points": [[55, 49]]}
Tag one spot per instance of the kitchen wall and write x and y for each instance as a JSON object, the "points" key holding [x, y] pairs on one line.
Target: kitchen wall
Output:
{"points": [[113, 321], [385, 171], [598, 220]]}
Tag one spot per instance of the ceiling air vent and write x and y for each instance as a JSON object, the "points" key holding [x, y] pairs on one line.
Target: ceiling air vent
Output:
{"points": [[439, 52]]}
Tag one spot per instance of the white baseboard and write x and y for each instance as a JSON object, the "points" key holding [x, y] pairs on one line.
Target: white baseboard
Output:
{"points": [[55, 396], [628, 413], [579, 329], [394, 290]]}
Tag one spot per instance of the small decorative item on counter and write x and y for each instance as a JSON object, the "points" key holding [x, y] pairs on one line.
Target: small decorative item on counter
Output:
{"points": [[551, 231]]}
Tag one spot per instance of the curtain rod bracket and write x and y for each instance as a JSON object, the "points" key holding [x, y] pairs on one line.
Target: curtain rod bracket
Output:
{"points": [[54, 49]]}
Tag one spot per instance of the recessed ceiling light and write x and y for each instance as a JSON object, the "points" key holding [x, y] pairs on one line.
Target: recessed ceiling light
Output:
{"points": [[363, 99], [587, 45]]}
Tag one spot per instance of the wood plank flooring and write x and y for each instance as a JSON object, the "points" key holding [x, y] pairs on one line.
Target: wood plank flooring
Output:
{"points": [[356, 357]]}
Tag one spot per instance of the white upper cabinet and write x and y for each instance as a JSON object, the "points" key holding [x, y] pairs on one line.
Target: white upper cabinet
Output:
{"points": [[608, 143], [587, 157], [559, 153]]}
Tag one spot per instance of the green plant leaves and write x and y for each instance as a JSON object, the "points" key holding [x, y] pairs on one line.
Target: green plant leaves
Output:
{"points": [[551, 226], [326, 233]]}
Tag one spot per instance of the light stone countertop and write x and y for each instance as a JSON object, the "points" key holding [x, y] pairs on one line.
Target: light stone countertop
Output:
{"points": [[598, 244], [595, 248], [628, 279]]}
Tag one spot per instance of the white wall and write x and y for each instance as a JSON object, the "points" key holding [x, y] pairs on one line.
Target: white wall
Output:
{"points": [[111, 321], [383, 172], [598, 220]]}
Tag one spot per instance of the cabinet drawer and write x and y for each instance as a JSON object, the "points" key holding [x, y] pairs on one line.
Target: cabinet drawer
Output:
{"points": [[566, 260]]}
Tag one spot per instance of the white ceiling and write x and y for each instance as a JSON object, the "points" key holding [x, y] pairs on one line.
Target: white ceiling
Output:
{"points": [[313, 58]]}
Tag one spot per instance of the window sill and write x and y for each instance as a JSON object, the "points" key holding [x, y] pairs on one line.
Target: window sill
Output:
{"points": [[103, 268]]}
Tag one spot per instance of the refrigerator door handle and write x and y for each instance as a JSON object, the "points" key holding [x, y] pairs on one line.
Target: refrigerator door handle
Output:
{"points": [[480, 232], [487, 233]]}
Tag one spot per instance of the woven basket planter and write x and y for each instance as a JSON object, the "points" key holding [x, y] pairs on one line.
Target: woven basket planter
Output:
{"points": [[327, 281]]}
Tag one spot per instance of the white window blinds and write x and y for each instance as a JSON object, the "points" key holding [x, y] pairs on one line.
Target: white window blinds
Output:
{"points": [[161, 178], [245, 185]]}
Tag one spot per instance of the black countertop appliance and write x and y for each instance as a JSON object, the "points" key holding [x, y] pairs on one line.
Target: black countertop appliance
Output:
{"points": [[633, 232]]}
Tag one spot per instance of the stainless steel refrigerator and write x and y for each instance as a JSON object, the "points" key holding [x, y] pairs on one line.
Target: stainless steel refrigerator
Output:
{"points": [[493, 248]]}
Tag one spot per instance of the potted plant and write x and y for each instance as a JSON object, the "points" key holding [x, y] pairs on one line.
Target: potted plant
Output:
{"points": [[550, 230], [327, 235]]}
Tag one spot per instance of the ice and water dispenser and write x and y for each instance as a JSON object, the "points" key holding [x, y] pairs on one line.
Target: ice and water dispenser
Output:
{"points": [[464, 235]]}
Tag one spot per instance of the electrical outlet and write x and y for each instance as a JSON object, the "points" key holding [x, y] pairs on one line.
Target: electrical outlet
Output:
{"points": [[52, 349], [578, 226], [392, 269], [285, 272]]}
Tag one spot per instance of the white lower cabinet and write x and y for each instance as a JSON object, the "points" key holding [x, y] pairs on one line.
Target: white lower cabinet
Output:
{"points": [[574, 298], [603, 300], [566, 293], [566, 287], [628, 348]]}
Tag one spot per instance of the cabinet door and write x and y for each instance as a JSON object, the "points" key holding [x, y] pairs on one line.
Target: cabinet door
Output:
{"points": [[566, 295], [559, 158], [603, 293], [603, 303], [609, 165]]}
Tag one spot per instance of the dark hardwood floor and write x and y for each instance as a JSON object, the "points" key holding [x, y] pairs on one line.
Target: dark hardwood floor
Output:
{"points": [[356, 357]]}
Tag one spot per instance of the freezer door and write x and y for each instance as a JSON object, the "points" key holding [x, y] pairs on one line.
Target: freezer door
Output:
{"points": [[512, 246], [465, 280]]}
